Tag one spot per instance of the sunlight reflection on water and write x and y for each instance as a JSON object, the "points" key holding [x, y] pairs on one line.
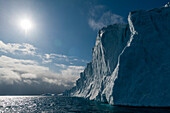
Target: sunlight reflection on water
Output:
{"points": [[48, 104]]}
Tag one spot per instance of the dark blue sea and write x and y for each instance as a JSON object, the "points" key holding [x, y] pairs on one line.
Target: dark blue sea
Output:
{"points": [[58, 104]]}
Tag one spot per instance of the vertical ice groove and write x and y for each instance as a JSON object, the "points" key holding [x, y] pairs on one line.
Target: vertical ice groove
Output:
{"points": [[109, 88], [132, 29]]}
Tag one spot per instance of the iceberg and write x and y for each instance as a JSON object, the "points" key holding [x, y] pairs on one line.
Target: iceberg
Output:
{"points": [[131, 62]]}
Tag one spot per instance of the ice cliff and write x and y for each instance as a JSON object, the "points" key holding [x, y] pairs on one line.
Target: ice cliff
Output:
{"points": [[131, 62]]}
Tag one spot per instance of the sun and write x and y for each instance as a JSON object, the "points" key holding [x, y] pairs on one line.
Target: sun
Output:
{"points": [[26, 25]]}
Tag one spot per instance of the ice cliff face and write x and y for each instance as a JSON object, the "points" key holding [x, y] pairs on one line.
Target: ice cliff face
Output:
{"points": [[131, 63]]}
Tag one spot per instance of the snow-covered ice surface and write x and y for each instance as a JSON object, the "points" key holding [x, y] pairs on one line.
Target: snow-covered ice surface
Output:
{"points": [[131, 63]]}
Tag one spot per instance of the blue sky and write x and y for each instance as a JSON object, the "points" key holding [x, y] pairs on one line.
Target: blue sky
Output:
{"points": [[59, 45]]}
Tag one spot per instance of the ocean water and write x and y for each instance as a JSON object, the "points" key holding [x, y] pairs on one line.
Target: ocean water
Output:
{"points": [[58, 104]]}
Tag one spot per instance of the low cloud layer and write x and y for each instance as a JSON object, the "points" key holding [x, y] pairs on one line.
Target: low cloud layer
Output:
{"points": [[24, 75], [21, 72], [100, 17]]}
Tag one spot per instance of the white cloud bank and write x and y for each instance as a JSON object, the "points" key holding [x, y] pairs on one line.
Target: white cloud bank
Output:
{"points": [[28, 71]]}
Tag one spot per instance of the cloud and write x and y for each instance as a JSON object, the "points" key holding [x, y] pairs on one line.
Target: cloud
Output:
{"points": [[14, 70], [95, 25], [16, 48], [22, 72], [70, 70], [61, 65], [8, 76], [28, 49], [48, 58], [100, 17], [28, 76], [96, 11], [19, 73]]}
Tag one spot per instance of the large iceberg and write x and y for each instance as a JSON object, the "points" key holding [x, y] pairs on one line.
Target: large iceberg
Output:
{"points": [[131, 62]]}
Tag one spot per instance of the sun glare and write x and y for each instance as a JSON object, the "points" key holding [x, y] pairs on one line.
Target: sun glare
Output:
{"points": [[26, 25]]}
